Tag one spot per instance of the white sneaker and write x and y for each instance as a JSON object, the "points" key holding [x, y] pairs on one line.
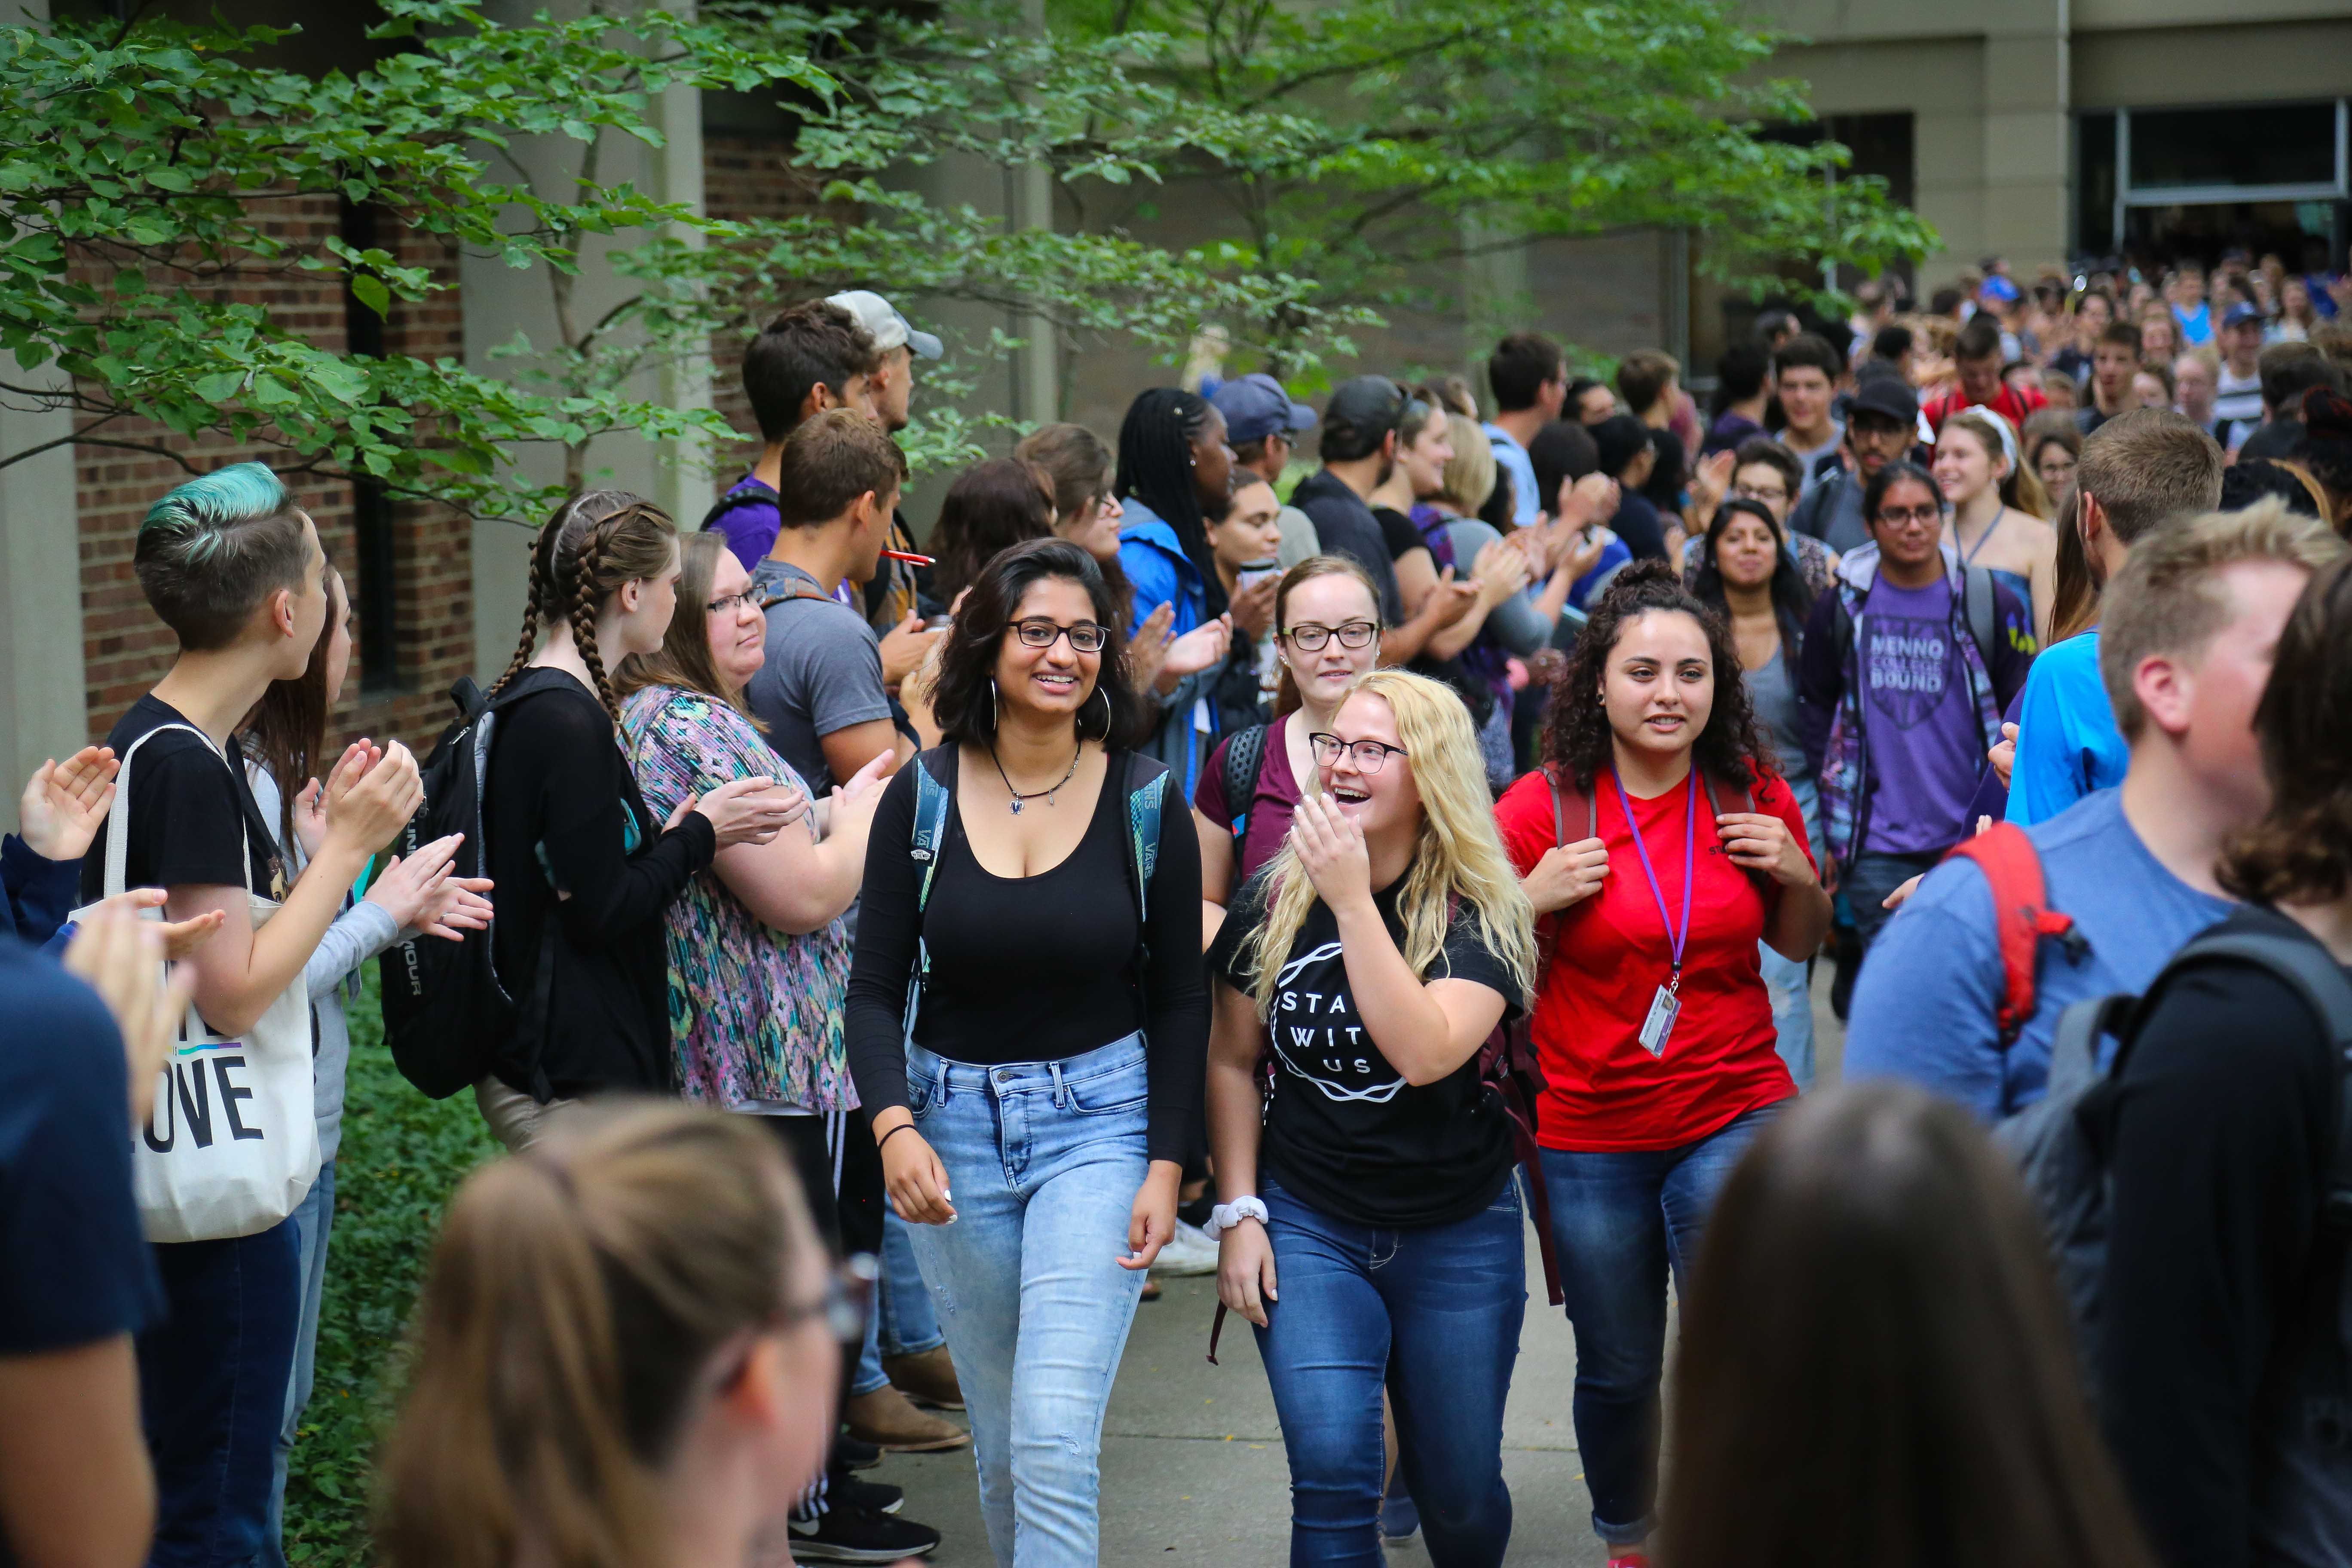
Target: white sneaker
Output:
{"points": [[1188, 1251]]}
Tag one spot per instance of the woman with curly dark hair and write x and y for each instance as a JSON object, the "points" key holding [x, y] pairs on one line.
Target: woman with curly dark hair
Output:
{"points": [[1027, 1023], [1652, 1020]]}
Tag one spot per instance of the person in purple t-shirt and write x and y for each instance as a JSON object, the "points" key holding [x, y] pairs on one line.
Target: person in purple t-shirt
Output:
{"points": [[1900, 692], [1327, 632], [813, 357]]}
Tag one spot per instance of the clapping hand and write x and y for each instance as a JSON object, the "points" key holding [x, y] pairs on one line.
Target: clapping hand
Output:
{"points": [[65, 803], [420, 895], [121, 957]]}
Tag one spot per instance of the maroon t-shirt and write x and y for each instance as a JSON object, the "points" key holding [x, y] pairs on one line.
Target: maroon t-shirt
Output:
{"points": [[1277, 794]]}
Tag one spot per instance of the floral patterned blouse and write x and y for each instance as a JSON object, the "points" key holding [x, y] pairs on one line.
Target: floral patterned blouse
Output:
{"points": [[754, 1014]]}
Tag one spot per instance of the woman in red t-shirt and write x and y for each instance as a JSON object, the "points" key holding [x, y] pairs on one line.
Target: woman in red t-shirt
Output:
{"points": [[1651, 1021]]}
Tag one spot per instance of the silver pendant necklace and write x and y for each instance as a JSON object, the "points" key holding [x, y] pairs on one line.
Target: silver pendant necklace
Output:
{"points": [[1049, 792]]}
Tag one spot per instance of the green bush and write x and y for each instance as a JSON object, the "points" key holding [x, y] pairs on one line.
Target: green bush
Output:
{"points": [[402, 1157]]}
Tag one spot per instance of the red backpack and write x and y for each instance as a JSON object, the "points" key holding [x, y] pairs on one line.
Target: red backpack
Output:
{"points": [[2021, 918]]}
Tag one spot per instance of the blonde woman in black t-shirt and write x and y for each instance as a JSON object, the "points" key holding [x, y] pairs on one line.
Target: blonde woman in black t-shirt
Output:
{"points": [[1370, 1229]]}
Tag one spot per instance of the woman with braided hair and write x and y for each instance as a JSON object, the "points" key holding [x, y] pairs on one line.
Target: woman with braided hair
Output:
{"points": [[583, 872], [1175, 472]]}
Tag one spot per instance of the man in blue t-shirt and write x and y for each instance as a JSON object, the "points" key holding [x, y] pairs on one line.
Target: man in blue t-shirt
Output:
{"points": [[2193, 618], [2136, 469], [76, 1278]]}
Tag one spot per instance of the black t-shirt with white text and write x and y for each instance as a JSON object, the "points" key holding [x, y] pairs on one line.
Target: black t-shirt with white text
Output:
{"points": [[194, 820], [1344, 1132]]}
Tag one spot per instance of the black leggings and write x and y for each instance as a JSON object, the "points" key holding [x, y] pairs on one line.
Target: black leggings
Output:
{"points": [[840, 1169]]}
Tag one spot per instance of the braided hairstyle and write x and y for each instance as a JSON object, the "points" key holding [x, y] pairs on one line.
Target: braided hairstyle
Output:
{"points": [[1155, 466], [596, 542]]}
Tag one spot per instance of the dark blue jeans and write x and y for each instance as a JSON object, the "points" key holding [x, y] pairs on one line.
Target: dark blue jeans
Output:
{"points": [[211, 1392], [1435, 1315], [1620, 1222]]}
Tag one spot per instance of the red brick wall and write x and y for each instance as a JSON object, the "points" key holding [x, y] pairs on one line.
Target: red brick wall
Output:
{"points": [[126, 649]]}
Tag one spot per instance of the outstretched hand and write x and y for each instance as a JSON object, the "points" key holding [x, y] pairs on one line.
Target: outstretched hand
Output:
{"points": [[65, 804]]}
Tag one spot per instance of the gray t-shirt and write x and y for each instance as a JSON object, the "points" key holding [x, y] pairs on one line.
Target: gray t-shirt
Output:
{"points": [[823, 672]]}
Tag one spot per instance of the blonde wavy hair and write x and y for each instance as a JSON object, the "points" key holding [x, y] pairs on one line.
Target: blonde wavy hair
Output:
{"points": [[1457, 859]]}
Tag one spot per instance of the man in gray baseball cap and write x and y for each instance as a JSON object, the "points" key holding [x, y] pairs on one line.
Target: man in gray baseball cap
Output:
{"points": [[892, 385]]}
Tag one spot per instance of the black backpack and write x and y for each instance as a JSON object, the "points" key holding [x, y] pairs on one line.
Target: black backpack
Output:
{"points": [[1244, 750], [446, 1011], [2057, 1146]]}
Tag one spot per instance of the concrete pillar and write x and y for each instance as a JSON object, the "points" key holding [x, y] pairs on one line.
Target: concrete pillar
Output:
{"points": [[2029, 103], [41, 695], [1036, 371], [500, 300]]}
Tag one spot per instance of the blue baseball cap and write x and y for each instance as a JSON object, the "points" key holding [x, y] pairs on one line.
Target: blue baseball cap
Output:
{"points": [[1256, 406], [1998, 288], [2241, 313]]}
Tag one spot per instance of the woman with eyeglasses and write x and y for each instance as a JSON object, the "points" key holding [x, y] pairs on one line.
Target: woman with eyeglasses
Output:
{"points": [[1025, 1024], [628, 1347], [1327, 632], [1371, 1231], [1660, 843], [759, 952]]}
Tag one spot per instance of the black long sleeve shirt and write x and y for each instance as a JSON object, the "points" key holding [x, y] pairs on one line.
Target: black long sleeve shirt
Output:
{"points": [[562, 811], [1037, 968], [2220, 1280]]}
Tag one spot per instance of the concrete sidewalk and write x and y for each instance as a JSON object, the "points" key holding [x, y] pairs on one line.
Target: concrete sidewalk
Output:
{"points": [[1193, 1462], [1192, 1467]]}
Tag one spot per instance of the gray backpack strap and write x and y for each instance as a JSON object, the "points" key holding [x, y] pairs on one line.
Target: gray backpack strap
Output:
{"points": [[1982, 605]]}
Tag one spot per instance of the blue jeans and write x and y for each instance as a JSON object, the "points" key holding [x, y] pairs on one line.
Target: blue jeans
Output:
{"points": [[1620, 1220], [211, 1392], [1043, 1160], [313, 1222], [906, 1323], [1435, 1315]]}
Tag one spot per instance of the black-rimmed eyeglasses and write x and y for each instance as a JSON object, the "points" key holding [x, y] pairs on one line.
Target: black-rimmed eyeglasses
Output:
{"points": [[1308, 637], [1084, 638], [1371, 756]]}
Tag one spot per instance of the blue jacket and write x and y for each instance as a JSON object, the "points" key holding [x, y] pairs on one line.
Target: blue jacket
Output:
{"points": [[1161, 572]]}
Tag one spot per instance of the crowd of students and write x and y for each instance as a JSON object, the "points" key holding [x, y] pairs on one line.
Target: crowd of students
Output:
{"points": [[1455, 829]]}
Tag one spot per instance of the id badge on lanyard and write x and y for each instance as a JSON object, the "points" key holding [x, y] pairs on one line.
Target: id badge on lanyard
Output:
{"points": [[1659, 1027]]}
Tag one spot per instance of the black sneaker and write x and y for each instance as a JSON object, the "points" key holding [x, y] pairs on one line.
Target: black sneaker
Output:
{"points": [[874, 1496], [855, 1453], [853, 1536]]}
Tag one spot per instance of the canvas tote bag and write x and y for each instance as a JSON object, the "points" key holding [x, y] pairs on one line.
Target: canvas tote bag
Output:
{"points": [[232, 1145]]}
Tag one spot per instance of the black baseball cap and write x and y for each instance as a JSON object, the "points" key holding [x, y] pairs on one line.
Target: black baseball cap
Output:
{"points": [[1366, 405], [1890, 395]]}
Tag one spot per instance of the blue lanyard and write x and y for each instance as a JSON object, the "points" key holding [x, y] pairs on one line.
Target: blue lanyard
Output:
{"points": [[1690, 846]]}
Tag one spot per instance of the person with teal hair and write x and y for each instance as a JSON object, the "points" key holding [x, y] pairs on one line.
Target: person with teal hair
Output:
{"points": [[232, 566]]}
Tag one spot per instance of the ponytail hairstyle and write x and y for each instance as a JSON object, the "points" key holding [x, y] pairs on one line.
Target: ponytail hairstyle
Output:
{"points": [[576, 1300], [1285, 696], [597, 541], [1458, 859], [287, 731]]}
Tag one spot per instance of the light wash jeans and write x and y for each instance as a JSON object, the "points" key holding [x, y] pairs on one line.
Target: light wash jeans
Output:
{"points": [[1043, 1162], [1789, 980]]}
